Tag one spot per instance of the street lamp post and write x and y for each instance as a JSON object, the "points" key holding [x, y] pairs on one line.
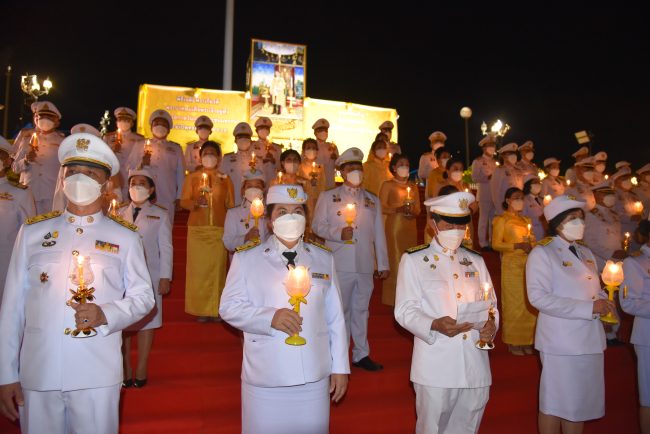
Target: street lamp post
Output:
{"points": [[32, 89], [466, 113]]}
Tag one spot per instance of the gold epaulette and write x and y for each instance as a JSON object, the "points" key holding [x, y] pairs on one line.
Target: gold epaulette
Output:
{"points": [[42, 217], [17, 184], [159, 206], [123, 204], [249, 245], [594, 211], [545, 241], [582, 243], [470, 250], [635, 254], [320, 246], [121, 221], [416, 248]]}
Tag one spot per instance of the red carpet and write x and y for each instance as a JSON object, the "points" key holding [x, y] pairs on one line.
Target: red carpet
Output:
{"points": [[194, 384]]}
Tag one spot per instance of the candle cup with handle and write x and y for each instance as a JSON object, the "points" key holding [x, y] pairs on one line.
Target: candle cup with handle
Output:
{"points": [[204, 190], [350, 215], [313, 174], [257, 211], [408, 203], [613, 276], [298, 285], [485, 294], [252, 162], [82, 276]]}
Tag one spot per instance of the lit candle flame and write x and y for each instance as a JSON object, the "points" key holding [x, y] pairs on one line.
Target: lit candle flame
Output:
{"points": [[638, 207], [634, 181], [408, 192], [486, 291], [350, 213], [529, 227], [257, 208], [279, 177], [547, 199], [606, 177], [541, 175], [568, 182]]}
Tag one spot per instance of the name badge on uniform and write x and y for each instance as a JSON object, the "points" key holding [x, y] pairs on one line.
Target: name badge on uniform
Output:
{"points": [[320, 276], [567, 264], [471, 274], [105, 246], [6, 196], [466, 262], [336, 198], [153, 217]]}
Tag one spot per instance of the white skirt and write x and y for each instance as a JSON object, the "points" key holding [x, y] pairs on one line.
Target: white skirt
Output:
{"points": [[303, 409], [572, 387], [643, 372]]}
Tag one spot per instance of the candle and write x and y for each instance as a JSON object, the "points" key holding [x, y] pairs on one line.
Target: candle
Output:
{"points": [[634, 181], [638, 207], [114, 207], [298, 281], [467, 190], [626, 242], [257, 210], [279, 177], [486, 291], [34, 142], [147, 147], [204, 180], [313, 166], [80, 270], [498, 164], [390, 156], [350, 213], [547, 199], [253, 158], [529, 227], [408, 193], [606, 177], [568, 182], [119, 136]]}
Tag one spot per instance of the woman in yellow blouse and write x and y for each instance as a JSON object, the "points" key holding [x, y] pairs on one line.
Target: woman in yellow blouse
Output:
{"points": [[313, 172], [207, 194], [375, 169], [436, 176], [512, 237], [400, 203]]}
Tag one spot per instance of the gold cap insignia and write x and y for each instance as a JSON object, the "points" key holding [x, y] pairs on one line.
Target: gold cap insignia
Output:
{"points": [[463, 204], [82, 144], [570, 197], [293, 192]]}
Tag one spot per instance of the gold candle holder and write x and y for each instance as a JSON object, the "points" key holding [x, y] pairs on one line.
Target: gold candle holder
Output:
{"points": [[613, 276], [84, 294], [626, 242], [257, 211], [298, 285], [350, 215], [481, 344]]}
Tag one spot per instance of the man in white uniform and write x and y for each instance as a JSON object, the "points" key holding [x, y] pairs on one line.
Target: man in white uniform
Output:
{"points": [[327, 152], [578, 155], [450, 375], [266, 150], [505, 176], [60, 360], [237, 164], [356, 248], [203, 126], [122, 141], [482, 169], [428, 160], [525, 164]]}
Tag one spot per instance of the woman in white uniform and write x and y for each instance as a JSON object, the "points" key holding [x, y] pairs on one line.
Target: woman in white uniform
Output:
{"points": [[286, 388], [637, 303], [155, 230], [563, 284], [533, 205]]}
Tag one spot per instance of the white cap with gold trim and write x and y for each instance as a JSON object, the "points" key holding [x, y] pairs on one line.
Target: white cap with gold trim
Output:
{"points": [[351, 155], [85, 128], [124, 112], [140, 172], [386, 125], [242, 129], [321, 123], [203, 121], [45, 107], [560, 204], [85, 148], [286, 194], [161, 114], [263, 122], [451, 205]]}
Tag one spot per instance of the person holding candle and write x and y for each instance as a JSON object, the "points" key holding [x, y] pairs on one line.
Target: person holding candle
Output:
{"points": [[327, 152], [155, 229], [505, 176], [203, 126], [207, 194], [400, 203], [637, 302], [450, 375], [534, 205], [289, 169], [314, 172], [428, 160], [122, 141], [35, 157], [603, 233], [386, 128], [525, 164], [78, 388], [281, 381], [628, 206], [240, 226], [375, 169], [600, 165], [236, 164], [163, 159], [357, 248], [579, 155], [482, 169], [268, 151], [563, 283], [436, 176], [581, 189], [642, 190], [552, 185], [512, 236], [453, 175]]}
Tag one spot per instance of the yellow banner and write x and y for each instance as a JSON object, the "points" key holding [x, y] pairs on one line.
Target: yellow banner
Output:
{"points": [[185, 104]]}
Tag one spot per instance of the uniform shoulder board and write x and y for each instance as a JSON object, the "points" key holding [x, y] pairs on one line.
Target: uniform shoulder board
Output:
{"points": [[123, 204], [320, 246], [121, 221], [159, 206], [594, 211], [416, 248], [470, 250], [545, 241], [249, 245], [582, 243], [635, 254], [17, 184], [42, 217], [61, 134]]}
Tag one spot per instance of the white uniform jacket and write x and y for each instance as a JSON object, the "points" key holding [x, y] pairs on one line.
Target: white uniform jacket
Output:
{"points": [[637, 302], [482, 169], [255, 290], [431, 283], [238, 222]]}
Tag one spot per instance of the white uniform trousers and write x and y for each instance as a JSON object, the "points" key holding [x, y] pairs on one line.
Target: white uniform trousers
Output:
{"points": [[643, 373], [356, 289], [303, 409], [75, 412], [449, 411], [485, 216]]}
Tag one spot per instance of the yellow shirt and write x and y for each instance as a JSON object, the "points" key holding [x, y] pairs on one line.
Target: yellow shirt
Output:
{"points": [[375, 172], [220, 198]]}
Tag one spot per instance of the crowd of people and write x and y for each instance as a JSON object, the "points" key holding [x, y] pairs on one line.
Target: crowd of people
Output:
{"points": [[94, 213]]}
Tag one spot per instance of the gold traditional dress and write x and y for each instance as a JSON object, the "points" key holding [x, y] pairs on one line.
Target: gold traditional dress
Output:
{"points": [[206, 254], [375, 172], [401, 232], [519, 316], [315, 174], [433, 182]]}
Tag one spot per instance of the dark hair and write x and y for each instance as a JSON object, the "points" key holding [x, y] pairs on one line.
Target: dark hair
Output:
{"points": [[381, 136], [152, 198], [529, 184], [289, 152], [509, 193], [452, 220], [394, 161], [378, 142], [447, 189], [450, 162], [211, 144], [308, 142], [556, 221], [438, 152]]}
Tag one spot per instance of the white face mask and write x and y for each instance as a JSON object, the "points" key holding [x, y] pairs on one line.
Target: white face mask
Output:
{"points": [[574, 229], [450, 239], [139, 193], [456, 175], [124, 126], [243, 143], [517, 204], [209, 161], [535, 189], [355, 177], [443, 162], [160, 131], [45, 125], [626, 185], [609, 200], [529, 156], [402, 171], [381, 153], [289, 227], [204, 133], [512, 159], [321, 135], [291, 168], [311, 154], [490, 150], [588, 176], [600, 168], [554, 172], [253, 193], [81, 190]]}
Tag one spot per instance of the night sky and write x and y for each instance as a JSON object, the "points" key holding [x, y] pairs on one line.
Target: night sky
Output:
{"points": [[547, 72]]}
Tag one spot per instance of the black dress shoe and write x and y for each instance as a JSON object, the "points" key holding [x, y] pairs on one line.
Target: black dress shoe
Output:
{"points": [[368, 364], [127, 383], [139, 383]]}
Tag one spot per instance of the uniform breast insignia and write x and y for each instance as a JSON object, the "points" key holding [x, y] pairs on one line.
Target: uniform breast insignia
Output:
{"points": [[121, 221], [368, 203], [471, 274], [42, 217], [49, 235], [249, 245], [6, 196], [160, 206], [336, 198], [416, 248], [320, 276], [320, 246], [545, 241], [466, 262], [426, 258], [105, 246], [635, 254], [589, 261], [44, 277], [567, 264], [432, 266], [153, 217]]}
